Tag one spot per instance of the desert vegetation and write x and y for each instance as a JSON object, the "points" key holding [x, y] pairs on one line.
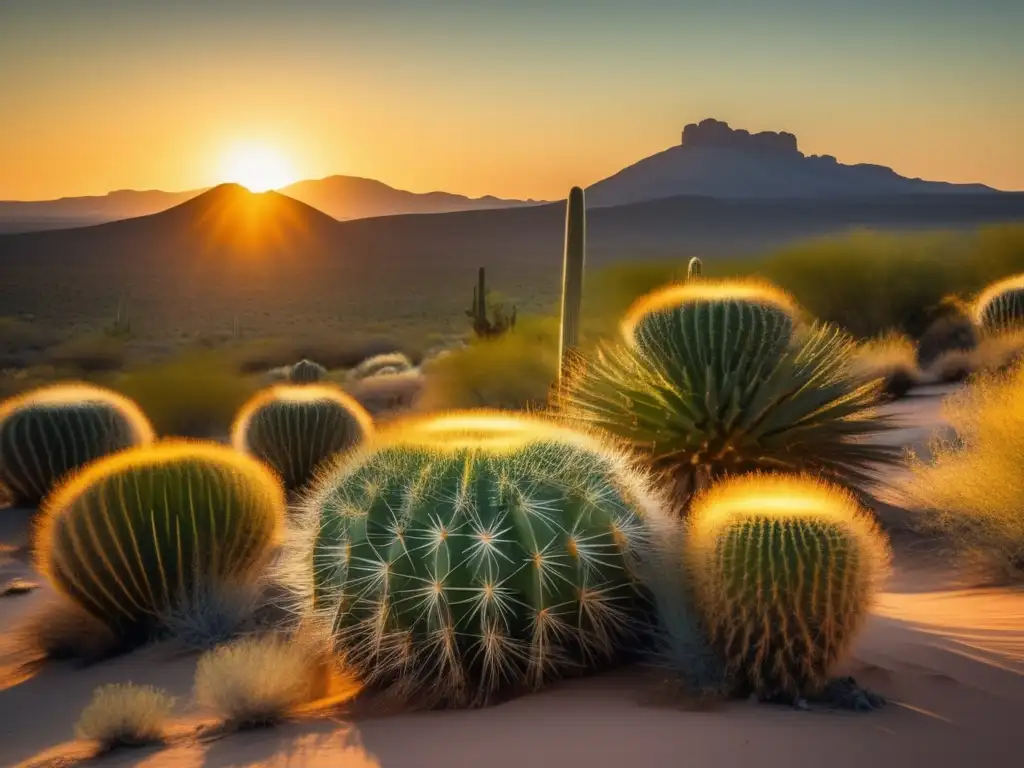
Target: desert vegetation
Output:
{"points": [[125, 716]]}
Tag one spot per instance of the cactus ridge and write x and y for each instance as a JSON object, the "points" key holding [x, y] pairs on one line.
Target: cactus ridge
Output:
{"points": [[456, 561], [306, 372], [50, 432], [785, 570], [146, 532], [295, 429], [1000, 307]]}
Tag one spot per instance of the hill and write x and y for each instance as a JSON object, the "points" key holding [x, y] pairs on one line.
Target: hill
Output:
{"points": [[715, 160]]}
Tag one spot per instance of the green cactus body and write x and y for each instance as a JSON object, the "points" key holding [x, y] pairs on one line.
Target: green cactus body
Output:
{"points": [[47, 433], [1000, 307], [712, 379], [693, 269], [295, 429], [373, 365], [572, 279], [151, 531], [785, 569], [307, 372], [476, 552]]}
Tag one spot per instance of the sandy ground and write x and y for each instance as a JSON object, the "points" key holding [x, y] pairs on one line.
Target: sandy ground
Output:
{"points": [[951, 658]]}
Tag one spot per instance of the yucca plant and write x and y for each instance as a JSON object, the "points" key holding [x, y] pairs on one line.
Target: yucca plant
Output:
{"points": [[1000, 307], [459, 556], [785, 569], [717, 378], [295, 429], [49, 432], [149, 532]]}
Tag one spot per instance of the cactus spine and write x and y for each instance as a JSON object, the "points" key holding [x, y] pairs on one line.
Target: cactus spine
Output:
{"points": [[151, 531], [572, 279], [693, 269], [49, 432], [785, 569]]}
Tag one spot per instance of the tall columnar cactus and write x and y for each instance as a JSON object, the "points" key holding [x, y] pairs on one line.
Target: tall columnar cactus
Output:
{"points": [[460, 555], [150, 532], [712, 379], [295, 429], [572, 279], [693, 269], [487, 324], [785, 569], [49, 432], [371, 366], [1000, 307], [306, 372]]}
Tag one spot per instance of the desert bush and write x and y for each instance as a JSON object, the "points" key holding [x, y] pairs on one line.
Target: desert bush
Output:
{"points": [[90, 353], [296, 428], [194, 395], [971, 491], [953, 330], [995, 352], [382, 394], [520, 543], [149, 531], [333, 352], [125, 715], [716, 378], [784, 569], [23, 342], [262, 680], [394, 362], [892, 359], [60, 629], [306, 372], [49, 432], [214, 614]]}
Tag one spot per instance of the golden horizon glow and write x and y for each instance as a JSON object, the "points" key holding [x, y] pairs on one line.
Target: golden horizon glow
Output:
{"points": [[257, 167]]}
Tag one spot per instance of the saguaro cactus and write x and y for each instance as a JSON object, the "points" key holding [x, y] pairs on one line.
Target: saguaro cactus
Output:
{"points": [[572, 277], [484, 325]]}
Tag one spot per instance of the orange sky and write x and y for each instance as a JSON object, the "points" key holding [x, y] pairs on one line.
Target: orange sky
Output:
{"points": [[486, 100]]}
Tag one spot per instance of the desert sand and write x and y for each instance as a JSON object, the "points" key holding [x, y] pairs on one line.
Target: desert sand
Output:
{"points": [[949, 655]]}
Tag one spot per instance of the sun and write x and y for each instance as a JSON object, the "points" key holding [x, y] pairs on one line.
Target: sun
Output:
{"points": [[256, 167]]}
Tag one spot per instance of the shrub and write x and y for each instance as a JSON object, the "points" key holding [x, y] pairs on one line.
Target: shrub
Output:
{"points": [[713, 379], [295, 429], [60, 629], [471, 553], [891, 358], [49, 432], [995, 353], [394, 362], [306, 372], [388, 393], [785, 569], [333, 351], [89, 353], [125, 715], [971, 491], [952, 331], [148, 531]]}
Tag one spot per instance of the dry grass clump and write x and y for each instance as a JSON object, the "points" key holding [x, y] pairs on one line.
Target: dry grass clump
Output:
{"points": [[262, 680], [892, 358], [994, 353], [59, 629], [214, 616], [125, 715], [972, 490], [388, 392]]}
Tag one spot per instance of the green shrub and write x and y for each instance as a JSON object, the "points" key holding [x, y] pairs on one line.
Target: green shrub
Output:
{"points": [[152, 530], [49, 432]]}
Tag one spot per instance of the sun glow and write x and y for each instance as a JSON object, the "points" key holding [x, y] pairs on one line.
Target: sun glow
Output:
{"points": [[256, 167]]}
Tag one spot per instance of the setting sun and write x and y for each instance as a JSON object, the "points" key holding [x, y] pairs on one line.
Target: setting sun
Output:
{"points": [[257, 168]]}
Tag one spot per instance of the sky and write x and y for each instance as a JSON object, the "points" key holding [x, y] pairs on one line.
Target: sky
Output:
{"points": [[518, 99]]}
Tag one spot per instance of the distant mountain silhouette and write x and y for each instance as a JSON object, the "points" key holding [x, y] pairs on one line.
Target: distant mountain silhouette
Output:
{"points": [[715, 160]]}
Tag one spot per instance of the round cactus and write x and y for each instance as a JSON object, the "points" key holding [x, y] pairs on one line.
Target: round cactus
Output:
{"points": [[295, 429], [465, 554], [693, 269], [1000, 307], [784, 569], [148, 532], [306, 372], [49, 432], [712, 379], [396, 362]]}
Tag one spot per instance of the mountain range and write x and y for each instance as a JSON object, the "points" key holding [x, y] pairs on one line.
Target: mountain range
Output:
{"points": [[711, 160]]}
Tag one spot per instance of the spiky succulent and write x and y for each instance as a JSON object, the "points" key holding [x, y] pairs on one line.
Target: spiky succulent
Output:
{"points": [[151, 531], [49, 432], [1000, 307], [712, 379], [396, 362], [306, 372], [693, 268], [295, 429], [461, 555], [784, 569]]}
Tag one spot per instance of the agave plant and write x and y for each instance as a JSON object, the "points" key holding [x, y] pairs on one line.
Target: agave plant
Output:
{"points": [[717, 378]]}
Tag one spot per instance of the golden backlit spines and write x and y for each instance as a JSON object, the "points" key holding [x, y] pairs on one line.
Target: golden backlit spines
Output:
{"points": [[1000, 306]]}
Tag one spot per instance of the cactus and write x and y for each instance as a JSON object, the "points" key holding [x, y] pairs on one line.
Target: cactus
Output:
{"points": [[306, 372], [712, 379], [461, 555], [1000, 307], [49, 432], [693, 269], [373, 365], [572, 279], [150, 531], [496, 322], [784, 569], [295, 429]]}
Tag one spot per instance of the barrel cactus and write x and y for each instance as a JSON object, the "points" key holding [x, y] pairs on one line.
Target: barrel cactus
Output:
{"points": [[148, 532], [306, 372], [694, 268], [784, 569], [717, 378], [295, 429], [460, 556], [1000, 307], [394, 362], [49, 432]]}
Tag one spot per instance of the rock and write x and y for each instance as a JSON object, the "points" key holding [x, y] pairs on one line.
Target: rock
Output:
{"points": [[716, 133]]}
